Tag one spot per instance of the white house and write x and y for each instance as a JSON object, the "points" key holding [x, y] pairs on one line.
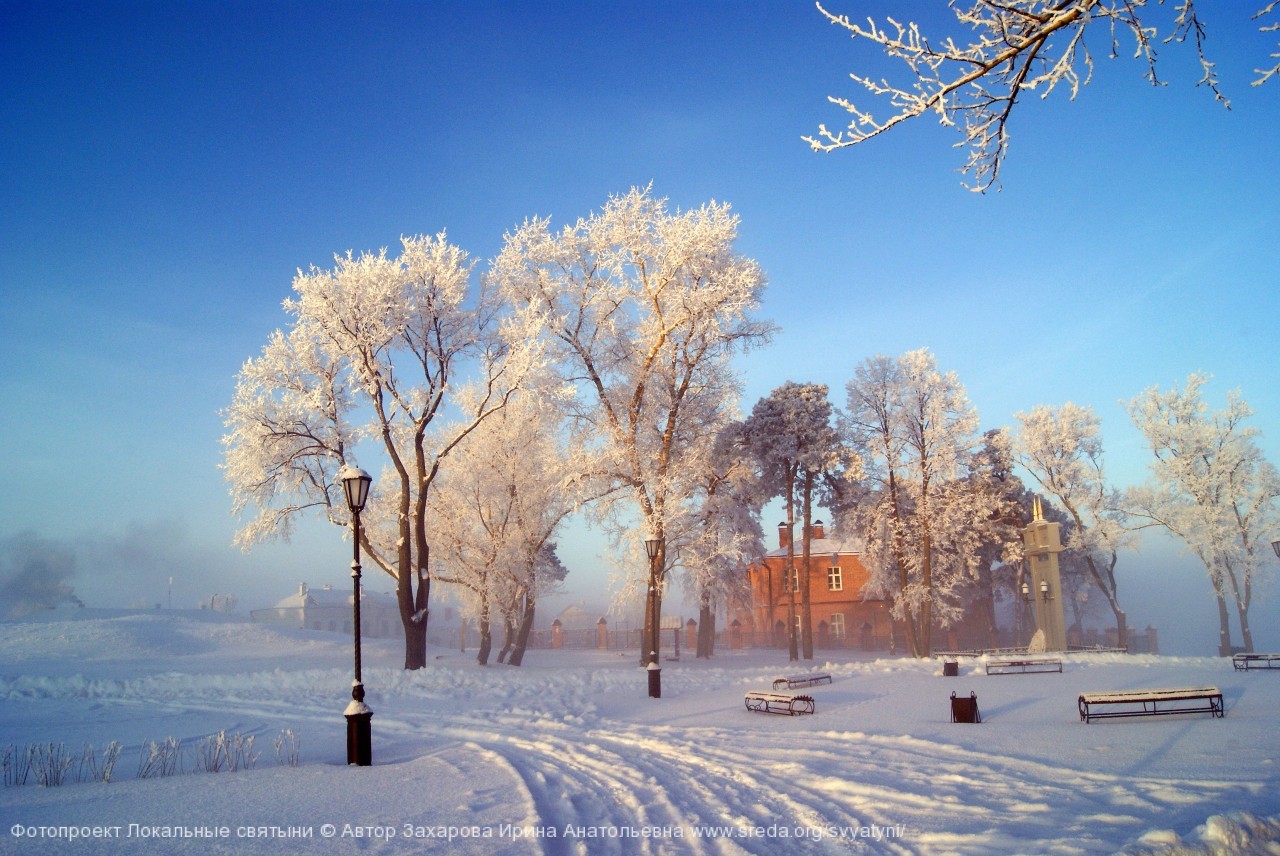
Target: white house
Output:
{"points": [[332, 610]]}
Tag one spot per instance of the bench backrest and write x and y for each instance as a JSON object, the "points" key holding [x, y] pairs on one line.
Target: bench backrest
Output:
{"points": [[1146, 695]]}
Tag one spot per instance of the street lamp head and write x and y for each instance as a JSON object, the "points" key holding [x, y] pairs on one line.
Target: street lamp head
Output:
{"points": [[1026, 589], [651, 542], [1044, 589], [1275, 545], [355, 482]]}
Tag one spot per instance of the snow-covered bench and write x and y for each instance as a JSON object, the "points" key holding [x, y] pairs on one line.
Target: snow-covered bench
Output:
{"points": [[790, 683], [1245, 662], [1023, 665], [981, 652], [1151, 702], [788, 703]]}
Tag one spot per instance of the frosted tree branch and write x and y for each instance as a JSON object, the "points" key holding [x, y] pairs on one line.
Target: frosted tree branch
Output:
{"points": [[1010, 47]]}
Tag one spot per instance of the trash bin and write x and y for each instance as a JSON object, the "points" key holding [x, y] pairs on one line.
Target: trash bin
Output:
{"points": [[950, 668]]}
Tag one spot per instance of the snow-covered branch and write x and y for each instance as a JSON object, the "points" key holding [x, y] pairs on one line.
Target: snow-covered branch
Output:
{"points": [[1001, 49]]}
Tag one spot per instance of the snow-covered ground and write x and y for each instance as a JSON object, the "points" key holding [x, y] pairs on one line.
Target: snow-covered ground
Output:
{"points": [[567, 754]]}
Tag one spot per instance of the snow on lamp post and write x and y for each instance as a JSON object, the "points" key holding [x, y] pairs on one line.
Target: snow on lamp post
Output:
{"points": [[651, 544], [355, 482]]}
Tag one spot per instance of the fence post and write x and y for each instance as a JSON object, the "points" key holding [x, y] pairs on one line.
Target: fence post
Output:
{"points": [[602, 634]]}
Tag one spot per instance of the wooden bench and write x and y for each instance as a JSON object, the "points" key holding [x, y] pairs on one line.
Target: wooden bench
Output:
{"points": [[1151, 703], [800, 681], [788, 703], [1245, 662], [1014, 667]]}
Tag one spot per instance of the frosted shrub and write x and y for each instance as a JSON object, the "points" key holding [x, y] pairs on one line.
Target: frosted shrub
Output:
{"points": [[287, 748], [219, 752], [95, 769], [160, 759], [17, 765], [52, 764]]}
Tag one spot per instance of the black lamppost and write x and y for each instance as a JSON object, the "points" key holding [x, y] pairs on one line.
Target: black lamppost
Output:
{"points": [[651, 544], [356, 483]]}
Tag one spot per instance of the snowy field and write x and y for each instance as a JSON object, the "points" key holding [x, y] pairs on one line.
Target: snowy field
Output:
{"points": [[567, 754]]}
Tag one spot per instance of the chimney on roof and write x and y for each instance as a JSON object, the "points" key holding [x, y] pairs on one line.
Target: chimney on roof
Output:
{"points": [[817, 530], [302, 589], [784, 534]]}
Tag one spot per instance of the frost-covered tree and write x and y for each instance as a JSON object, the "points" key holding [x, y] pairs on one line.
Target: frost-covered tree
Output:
{"points": [[997, 51], [377, 350], [921, 517], [727, 538], [1061, 447], [791, 436], [542, 575], [509, 487], [1212, 488], [1000, 545], [644, 309]]}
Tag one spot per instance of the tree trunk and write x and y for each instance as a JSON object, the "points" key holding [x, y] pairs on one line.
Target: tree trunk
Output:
{"points": [[706, 632], [924, 627], [790, 575], [1108, 587], [415, 642], [648, 633], [1122, 627], [414, 620], [987, 608], [486, 636], [651, 637], [1224, 625], [508, 636], [522, 634], [806, 612], [1242, 611]]}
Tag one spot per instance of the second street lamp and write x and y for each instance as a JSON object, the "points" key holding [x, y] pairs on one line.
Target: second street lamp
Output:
{"points": [[651, 544], [355, 482]]}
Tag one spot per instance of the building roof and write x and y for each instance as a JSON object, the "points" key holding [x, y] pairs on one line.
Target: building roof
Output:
{"points": [[819, 547], [328, 596]]}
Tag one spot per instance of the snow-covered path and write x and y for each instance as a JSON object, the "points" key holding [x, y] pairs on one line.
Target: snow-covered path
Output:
{"points": [[570, 745]]}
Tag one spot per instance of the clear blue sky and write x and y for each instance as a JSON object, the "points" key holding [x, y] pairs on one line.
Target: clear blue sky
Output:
{"points": [[169, 165]]}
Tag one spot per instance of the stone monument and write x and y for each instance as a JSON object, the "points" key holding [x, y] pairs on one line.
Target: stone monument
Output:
{"points": [[1043, 543]]}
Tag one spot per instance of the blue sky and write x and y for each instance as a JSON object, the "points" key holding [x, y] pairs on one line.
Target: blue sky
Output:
{"points": [[170, 165]]}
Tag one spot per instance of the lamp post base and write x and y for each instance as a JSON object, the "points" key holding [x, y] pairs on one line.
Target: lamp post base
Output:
{"points": [[359, 735], [655, 679]]}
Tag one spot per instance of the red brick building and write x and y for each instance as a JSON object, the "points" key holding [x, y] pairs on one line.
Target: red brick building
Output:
{"points": [[842, 615]]}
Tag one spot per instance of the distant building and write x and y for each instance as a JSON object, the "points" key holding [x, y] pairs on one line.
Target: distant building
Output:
{"points": [[332, 610], [842, 615]]}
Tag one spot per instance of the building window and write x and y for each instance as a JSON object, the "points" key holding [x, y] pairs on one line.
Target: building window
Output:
{"points": [[835, 582], [837, 624], [791, 579]]}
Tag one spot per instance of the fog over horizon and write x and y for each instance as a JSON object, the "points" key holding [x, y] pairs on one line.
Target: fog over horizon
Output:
{"points": [[1160, 585]]}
